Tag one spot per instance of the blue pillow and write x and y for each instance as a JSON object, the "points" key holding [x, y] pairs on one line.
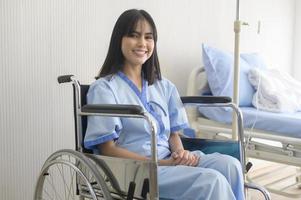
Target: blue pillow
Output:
{"points": [[254, 59], [219, 70]]}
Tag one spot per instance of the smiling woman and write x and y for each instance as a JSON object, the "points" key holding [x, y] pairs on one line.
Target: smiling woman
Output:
{"points": [[131, 75]]}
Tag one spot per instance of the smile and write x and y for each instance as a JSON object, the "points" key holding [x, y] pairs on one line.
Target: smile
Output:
{"points": [[140, 52]]}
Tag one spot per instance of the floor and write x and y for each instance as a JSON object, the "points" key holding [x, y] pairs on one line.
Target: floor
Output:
{"points": [[275, 176], [257, 196]]}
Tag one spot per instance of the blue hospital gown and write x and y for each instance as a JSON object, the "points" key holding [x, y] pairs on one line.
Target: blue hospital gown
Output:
{"points": [[216, 177]]}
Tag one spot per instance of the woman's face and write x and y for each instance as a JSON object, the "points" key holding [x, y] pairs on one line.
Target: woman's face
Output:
{"points": [[139, 45]]}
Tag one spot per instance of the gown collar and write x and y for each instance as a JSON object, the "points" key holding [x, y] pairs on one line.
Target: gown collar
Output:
{"points": [[139, 93], [143, 98]]}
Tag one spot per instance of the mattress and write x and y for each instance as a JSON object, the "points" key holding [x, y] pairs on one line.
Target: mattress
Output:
{"points": [[282, 124]]}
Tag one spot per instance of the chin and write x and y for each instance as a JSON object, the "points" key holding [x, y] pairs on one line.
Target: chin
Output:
{"points": [[140, 62]]}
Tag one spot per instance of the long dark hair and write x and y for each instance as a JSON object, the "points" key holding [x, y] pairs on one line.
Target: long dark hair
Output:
{"points": [[124, 26]]}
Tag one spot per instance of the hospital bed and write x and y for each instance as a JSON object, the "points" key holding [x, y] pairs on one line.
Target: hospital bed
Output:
{"points": [[80, 174], [269, 136]]}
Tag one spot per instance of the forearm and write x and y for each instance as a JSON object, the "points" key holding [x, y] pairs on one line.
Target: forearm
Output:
{"points": [[110, 149], [175, 142]]}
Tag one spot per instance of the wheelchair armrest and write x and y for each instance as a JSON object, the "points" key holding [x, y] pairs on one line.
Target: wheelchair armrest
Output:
{"points": [[113, 109], [206, 99]]}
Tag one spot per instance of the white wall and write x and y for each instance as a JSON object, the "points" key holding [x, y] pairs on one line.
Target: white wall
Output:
{"points": [[41, 39], [276, 38], [297, 42]]}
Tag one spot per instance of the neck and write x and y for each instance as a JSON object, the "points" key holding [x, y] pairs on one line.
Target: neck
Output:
{"points": [[134, 74]]}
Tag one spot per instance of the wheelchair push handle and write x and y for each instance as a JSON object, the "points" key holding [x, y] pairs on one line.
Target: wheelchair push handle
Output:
{"points": [[64, 78], [206, 99]]}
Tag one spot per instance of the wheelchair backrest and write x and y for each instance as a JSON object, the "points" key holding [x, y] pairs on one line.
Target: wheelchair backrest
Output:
{"points": [[83, 93]]}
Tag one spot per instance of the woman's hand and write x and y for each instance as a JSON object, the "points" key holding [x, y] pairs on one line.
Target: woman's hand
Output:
{"points": [[181, 157], [184, 157]]}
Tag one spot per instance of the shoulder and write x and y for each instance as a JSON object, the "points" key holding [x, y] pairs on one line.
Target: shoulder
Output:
{"points": [[165, 87], [101, 91], [165, 83], [103, 83], [103, 86]]}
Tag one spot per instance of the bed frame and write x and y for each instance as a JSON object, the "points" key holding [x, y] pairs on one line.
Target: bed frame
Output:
{"points": [[260, 144]]}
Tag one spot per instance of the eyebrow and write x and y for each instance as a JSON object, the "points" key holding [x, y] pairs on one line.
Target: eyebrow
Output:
{"points": [[149, 33]]}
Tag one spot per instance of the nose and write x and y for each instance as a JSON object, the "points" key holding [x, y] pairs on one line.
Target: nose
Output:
{"points": [[142, 42]]}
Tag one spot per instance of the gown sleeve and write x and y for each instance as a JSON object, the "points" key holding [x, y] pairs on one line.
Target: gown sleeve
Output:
{"points": [[101, 129], [177, 114]]}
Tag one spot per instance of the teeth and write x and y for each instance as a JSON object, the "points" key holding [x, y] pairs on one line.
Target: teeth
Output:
{"points": [[140, 51]]}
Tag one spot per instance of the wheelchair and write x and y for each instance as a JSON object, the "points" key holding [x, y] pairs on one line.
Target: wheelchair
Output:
{"points": [[80, 174]]}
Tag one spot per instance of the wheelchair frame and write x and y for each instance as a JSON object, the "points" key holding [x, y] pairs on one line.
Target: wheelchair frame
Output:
{"points": [[99, 180]]}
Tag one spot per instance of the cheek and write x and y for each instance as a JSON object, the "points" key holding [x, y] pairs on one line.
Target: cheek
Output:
{"points": [[125, 45], [151, 48], [124, 49]]}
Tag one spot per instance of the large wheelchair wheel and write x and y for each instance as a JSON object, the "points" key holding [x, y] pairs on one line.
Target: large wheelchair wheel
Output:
{"points": [[68, 174]]}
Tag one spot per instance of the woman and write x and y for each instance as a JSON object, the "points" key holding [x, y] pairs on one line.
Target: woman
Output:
{"points": [[131, 75]]}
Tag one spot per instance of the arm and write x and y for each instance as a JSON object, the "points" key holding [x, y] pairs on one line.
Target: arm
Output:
{"points": [[179, 154], [175, 142], [110, 149], [178, 120]]}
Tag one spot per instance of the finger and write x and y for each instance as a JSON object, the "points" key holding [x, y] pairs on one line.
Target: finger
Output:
{"points": [[178, 160], [181, 153], [192, 160], [189, 160], [174, 155], [185, 158], [174, 163], [195, 162], [179, 157]]}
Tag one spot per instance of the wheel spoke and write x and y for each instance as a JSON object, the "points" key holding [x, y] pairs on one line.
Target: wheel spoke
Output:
{"points": [[52, 186], [71, 188], [64, 172], [62, 175], [47, 194], [72, 180]]}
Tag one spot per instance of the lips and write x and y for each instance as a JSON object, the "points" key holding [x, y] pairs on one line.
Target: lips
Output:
{"points": [[140, 52]]}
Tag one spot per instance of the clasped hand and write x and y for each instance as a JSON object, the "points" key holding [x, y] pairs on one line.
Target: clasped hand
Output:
{"points": [[184, 157]]}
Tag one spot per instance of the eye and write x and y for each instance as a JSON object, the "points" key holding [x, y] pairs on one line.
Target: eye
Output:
{"points": [[149, 37], [133, 35]]}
